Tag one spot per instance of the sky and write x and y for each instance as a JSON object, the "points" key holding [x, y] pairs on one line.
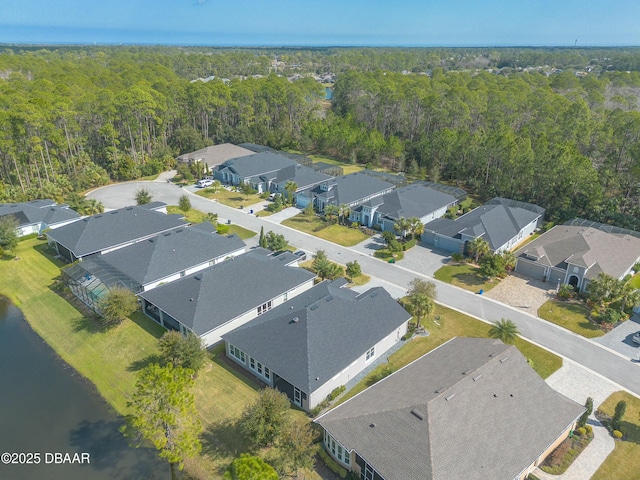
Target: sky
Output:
{"points": [[327, 23]]}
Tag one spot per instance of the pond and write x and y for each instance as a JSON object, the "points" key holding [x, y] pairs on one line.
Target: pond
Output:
{"points": [[53, 416]]}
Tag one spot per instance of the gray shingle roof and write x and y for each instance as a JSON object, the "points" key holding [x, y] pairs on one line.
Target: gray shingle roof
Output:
{"points": [[473, 409], [497, 221], [589, 247], [207, 299], [38, 211], [171, 252], [109, 229], [414, 201], [334, 327], [304, 177], [353, 188], [257, 164]]}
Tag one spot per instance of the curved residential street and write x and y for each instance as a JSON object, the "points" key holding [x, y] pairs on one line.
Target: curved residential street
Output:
{"points": [[594, 356]]}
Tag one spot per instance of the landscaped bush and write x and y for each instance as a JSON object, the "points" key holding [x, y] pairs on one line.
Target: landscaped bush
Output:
{"points": [[380, 373], [617, 434], [28, 237], [332, 464], [589, 429], [610, 315], [410, 244], [395, 246], [222, 228], [336, 392], [565, 291], [558, 454], [457, 257], [581, 431]]}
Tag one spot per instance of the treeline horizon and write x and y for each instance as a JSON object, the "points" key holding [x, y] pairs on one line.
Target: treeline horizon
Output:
{"points": [[487, 120]]}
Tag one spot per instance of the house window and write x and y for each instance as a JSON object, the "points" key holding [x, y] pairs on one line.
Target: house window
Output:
{"points": [[297, 397], [267, 373], [237, 353], [264, 307], [370, 354], [252, 363], [285, 297]]}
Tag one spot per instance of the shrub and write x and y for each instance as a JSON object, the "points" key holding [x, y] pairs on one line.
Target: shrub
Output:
{"points": [[610, 315], [395, 246], [380, 373], [457, 257], [27, 237], [617, 434], [410, 244], [558, 454], [565, 291], [332, 464], [589, 429], [581, 431], [336, 392], [222, 228]]}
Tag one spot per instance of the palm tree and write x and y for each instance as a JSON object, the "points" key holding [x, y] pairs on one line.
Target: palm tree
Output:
{"points": [[416, 227], [402, 226], [92, 207], [504, 330], [509, 261], [290, 187], [478, 247], [331, 213], [343, 213]]}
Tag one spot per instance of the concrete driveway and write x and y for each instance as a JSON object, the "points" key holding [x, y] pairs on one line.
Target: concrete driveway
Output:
{"points": [[282, 215], [425, 260], [619, 339]]}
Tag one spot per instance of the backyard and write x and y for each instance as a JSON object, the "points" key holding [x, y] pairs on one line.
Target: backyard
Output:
{"points": [[624, 461], [465, 276], [315, 225], [110, 358], [571, 315]]}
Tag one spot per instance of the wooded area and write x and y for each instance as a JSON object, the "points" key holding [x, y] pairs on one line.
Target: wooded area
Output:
{"points": [[74, 118]]}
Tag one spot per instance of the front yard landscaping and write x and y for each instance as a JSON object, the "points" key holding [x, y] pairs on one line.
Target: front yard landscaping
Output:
{"points": [[624, 461], [316, 226], [442, 326], [111, 358], [196, 216], [229, 198], [571, 315], [465, 275], [563, 456]]}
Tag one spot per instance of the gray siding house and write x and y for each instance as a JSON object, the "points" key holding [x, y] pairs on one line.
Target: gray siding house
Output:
{"points": [[352, 190], [147, 264], [102, 233], [410, 201], [38, 215], [471, 409], [319, 340], [577, 254], [260, 170], [503, 223], [222, 297]]}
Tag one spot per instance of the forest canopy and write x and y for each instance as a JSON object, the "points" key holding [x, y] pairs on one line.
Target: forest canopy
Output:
{"points": [[556, 127]]}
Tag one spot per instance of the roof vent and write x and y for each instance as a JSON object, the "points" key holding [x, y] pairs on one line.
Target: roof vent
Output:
{"points": [[113, 212], [450, 397], [494, 354], [129, 208], [417, 414], [295, 320], [191, 299], [329, 298], [441, 389], [198, 277], [97, 216], [467, 372], [475, 379], [502, 360], [372, 425], [373, 294], [313, 307]]}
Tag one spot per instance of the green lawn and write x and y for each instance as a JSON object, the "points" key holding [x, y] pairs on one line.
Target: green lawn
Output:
{"points": [[111, 358], [624, 461], [242, 232], [231, 199], [335, 233], [451, 323], [346, 167], [464, 276], [572, 316], [635, 281], [192, 216]]}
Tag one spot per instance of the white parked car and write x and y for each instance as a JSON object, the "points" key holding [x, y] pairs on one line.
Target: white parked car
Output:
{"points": [[205, 182]]}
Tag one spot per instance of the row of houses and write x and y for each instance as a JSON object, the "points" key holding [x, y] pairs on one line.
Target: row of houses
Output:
{"points": [[306, 340]]}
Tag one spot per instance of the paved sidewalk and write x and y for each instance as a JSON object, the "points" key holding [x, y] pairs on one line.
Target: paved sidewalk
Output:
{"points": [[578, 383]]}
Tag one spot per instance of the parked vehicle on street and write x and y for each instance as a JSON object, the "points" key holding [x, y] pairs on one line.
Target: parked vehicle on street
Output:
{"points": [[205, 182]]}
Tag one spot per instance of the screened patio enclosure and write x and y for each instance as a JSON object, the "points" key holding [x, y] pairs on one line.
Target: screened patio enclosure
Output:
{"points": [[92, 278]]}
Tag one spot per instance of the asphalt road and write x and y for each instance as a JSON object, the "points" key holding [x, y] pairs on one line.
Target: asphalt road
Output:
{"points": [[396, 278]]}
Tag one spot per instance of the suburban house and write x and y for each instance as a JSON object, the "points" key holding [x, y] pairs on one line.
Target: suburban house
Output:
{"points": [[304, 178], [149, 263], [109, 231], [577, 253], [214, 155], [410, 201], [354, 190], [472, 408], [260, 170], [503, 223], [319, 340], [38, 215], [222, 297]]}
